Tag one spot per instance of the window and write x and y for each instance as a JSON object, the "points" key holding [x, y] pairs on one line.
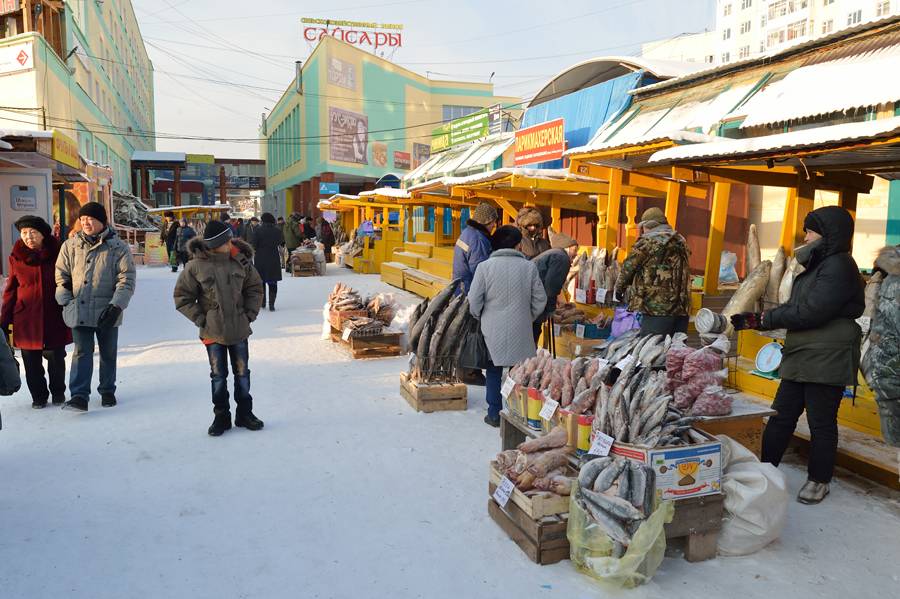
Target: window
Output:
{"points": [[726, 56], [745, 4], [709, 58], [883, 9], [727, 10], [457, 112], [854, 17], [762, 21], [777, 9], [828, 26], [726, 35], [827, 2], [745, 27], [744, 52], [762, 47], [774, 38], [796, 30]]}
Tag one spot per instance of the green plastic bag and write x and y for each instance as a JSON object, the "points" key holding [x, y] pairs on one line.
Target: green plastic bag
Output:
{"points": [[591, 548]]}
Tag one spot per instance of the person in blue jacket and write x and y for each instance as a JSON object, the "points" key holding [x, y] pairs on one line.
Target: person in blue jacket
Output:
{"points": [[474, 244]]}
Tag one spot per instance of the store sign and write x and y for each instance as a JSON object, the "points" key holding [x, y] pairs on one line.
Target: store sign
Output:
{"points": [[540, 143], [420, 153], [200, 158], [329, 189], [495, 119], [8, 6], [349, 133], [65, 150], [363, 34], [402, 160], [17, 57], [459, 131], [341, 73]]}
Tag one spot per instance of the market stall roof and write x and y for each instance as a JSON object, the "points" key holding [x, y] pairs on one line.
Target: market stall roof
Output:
{"points": [[195, 207], [872, 146], [387, 192], [149, 156], [463, 159], [550, 187], [603, 68]]}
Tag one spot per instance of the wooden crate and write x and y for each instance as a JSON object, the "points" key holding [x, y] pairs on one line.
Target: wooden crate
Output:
{"points": [[537, 506], [544, 541], [440, 397], [696, 524], [337, 318], [386, 345]]}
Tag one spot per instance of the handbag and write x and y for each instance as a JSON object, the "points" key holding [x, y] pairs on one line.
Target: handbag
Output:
{"points": [[473, 353]]}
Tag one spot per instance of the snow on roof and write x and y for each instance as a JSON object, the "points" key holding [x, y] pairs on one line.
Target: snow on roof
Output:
{"points": [[859, 81], [559, 174], [460, 159], [794, 140], [390, 192], [26, 133], [190, 207], [148, 156]]}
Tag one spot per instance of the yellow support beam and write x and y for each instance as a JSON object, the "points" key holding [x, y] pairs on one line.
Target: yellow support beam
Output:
{"points": [[631, 228], [508, 210], [555, 212], [806, 195], [786, 238], [608, 227], [716, 239], [673, 195]]}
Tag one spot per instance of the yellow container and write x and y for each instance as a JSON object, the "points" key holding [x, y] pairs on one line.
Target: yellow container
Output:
{"points": [[535, 403], [584, 434]]}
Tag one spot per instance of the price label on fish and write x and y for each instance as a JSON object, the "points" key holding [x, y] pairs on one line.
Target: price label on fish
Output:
{"points": [[346, 335], [621, 364], [557, 330], [549, 409], [507, 387], [602, 445], [504, 490], [412, 362], [579, 331], [601, 296], [581, 296]]}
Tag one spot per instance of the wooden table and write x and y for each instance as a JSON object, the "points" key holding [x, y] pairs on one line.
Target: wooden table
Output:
{"points": [[745, 423]]}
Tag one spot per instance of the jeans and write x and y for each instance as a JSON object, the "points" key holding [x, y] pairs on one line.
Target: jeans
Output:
{"points": [[821, 403], [33, 360], [83, 360], [492, 377], [663, 325], [239, 355]]}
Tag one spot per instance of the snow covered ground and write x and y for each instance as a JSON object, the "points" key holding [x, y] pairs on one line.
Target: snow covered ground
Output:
{"points": [[346, 492]]}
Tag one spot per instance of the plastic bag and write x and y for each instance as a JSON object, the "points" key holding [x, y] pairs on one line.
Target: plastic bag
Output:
{"points": [[326, 322], [624, 321], [702, 360], [727, 272], [712, 401], [591, 549], [675, 358], [756, 501]]}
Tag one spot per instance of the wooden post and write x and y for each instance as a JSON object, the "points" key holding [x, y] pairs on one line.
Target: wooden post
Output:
{"points": [[176, 187], [223, 192], [787, 223], [608, 228], [27, 15], [806, 194], [718, 217], [631, 228], [673, 196], [847, 200], [145, 184], [556, 214]]}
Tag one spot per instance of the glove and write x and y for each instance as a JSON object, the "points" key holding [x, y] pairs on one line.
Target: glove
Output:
{"points": [[109, 316], [747, 320]]}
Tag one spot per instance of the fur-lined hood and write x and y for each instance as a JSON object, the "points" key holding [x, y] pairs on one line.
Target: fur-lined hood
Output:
{"points": [[888, 260], [198, 248], [529, 216]]}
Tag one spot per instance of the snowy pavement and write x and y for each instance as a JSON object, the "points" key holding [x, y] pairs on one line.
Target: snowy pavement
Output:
{"points": [[346, 492]]}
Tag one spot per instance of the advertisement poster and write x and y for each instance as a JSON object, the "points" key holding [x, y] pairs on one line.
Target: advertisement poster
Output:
{"points": [[349, 134], [402, 160], [540, 143], [420, 153], [379, 153], [341, 73], [461, 130]]}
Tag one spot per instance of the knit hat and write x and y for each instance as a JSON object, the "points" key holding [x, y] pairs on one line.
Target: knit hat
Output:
{"points": [[529, 216], [216, 233], [94, 210], [560, 241], [36, 223], [653, 217], [812, 223], [506, 238], [484, 214], [267, 217]]}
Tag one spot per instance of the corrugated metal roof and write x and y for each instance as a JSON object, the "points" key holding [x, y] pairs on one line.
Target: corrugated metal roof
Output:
{"points": [[463, 159], [390, 192], [804, 139], [559, 174]]}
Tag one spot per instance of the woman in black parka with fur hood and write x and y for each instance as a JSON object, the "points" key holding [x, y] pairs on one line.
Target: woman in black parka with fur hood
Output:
{"points": [[822, 347]]}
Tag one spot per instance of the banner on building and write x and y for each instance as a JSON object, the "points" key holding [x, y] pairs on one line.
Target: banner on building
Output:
{"points": [[349, 136], [17, 57], [495, 119], [341, 73], [420, 153], [362, 34], [540, 143], [379, 154], [65, 150], [9, 6], [402, 160], [200, 158], [329, 189], [459, 131]]}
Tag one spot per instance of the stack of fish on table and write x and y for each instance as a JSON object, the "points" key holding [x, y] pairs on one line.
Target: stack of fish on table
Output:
{"points": [[380, 309], [597, 269], [435, 335], [539, 464]]}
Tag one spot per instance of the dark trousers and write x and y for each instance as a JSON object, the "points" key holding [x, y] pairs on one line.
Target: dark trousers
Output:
{"points": [[239, 356], [821, 403], [83, 360], [270, 289], [663, 325], [536, 328], [492, 376], [33, 360]]}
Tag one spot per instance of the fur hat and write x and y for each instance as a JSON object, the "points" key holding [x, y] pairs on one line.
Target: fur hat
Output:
{"points": [[653, 217], [94, 210], [484, 214], [216, 233], [560, 241], [529, 216], [34, 222], [506, 237]]}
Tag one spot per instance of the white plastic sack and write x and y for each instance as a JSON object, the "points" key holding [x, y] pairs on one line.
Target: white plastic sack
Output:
{"points": [[756, 501], [727, 272]]}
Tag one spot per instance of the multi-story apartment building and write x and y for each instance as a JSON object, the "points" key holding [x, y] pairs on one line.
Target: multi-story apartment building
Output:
{"points": [[79, 67]]}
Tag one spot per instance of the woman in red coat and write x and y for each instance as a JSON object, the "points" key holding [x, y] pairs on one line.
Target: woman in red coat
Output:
{"points": [[29, 305]]}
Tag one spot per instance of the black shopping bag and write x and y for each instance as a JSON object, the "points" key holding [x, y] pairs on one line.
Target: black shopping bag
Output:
{"points": [[473, 353]]}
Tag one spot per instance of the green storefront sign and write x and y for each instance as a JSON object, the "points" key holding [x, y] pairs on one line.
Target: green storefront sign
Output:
{"points": [[468, 128]]}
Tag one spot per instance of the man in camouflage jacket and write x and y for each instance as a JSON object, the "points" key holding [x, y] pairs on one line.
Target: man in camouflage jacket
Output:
{"points": [[655, 276], [881, 363]]}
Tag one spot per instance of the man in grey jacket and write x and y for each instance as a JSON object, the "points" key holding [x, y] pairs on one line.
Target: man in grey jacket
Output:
{"points": [[94, 283]]}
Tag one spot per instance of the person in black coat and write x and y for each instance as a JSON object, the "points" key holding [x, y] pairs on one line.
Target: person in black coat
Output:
{"points": [[172, 244], [553, 268], [267, 238]]}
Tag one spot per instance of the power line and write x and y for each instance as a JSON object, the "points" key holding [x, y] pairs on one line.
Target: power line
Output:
{"points": [[294, 14]]}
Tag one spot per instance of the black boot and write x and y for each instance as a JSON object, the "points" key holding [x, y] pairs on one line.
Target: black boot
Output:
{"points": [[108, 400], [220, 424], [38, 404], [248, 421], [76, 404], [59, 400], [273, 293]]}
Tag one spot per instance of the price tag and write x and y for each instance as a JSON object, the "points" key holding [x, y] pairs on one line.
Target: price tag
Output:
{"points": [[579, 331], [601, 445], [549, 409], [346, 335], [601, 296], [507, 387], [412, 362], [602, 363], [557, 330], [504, 490], [577, 350], [621, 364], [581, 296]]}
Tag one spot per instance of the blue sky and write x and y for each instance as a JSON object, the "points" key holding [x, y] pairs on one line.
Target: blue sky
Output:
{"points": [[524, 43]]}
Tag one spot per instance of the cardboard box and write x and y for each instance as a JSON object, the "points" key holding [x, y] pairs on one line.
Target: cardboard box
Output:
{"points": [[681, 471]]}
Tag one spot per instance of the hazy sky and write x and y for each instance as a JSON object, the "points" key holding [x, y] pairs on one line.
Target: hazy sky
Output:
{"points": [[255, 44]]}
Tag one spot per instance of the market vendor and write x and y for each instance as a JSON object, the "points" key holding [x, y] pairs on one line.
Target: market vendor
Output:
{"points": [[531, 223], [655, 276], [553, 268], [822, 348]]}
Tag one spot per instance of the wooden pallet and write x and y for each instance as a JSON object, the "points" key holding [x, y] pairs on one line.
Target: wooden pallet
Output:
{"points": [[304, 271], [543, 541], [337, 318], [377, 346], [442, 397], [696, 525]]}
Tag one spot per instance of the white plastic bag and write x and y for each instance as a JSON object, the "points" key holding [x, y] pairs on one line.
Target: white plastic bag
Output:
{"points": [[727, 272], [756, 501], [326, 322]]}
